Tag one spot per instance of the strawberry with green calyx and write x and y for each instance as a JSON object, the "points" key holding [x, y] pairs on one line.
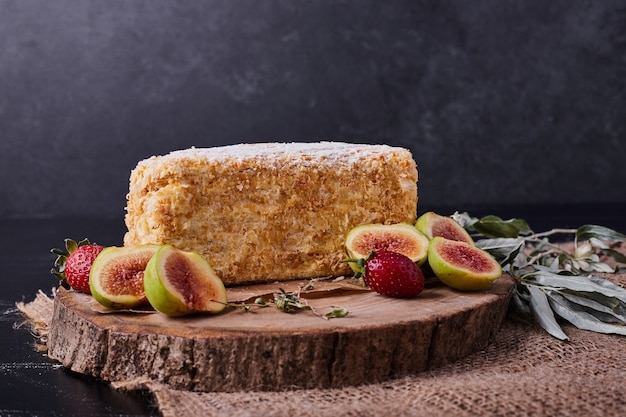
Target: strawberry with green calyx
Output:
{"points": [[390, 273], [73, 264]]}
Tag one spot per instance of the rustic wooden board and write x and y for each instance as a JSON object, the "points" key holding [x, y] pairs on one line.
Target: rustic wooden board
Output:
{"points": [[266, 349]]}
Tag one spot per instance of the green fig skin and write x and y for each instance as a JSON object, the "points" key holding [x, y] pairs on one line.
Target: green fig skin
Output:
{"points": [[403, 238], [125, 265], [458, 276], [160, 298], [165, 298], [429, 223]]}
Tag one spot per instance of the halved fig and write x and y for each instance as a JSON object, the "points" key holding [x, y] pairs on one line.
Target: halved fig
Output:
{"points": [[461, 265], [400, 237], [116, 277], [177, 283], [432, 224]]}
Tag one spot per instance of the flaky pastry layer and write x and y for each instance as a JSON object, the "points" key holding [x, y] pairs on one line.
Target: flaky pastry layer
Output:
{"points": [[270, 211]]}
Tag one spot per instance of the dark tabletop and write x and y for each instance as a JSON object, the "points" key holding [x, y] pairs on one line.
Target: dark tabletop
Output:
{"points": [[33, 385]]}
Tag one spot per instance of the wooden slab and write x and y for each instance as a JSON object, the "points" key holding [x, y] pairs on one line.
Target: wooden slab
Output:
{"points": [[266, 349]]}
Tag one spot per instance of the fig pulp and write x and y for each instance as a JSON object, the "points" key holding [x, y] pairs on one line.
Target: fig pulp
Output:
{"points": [[117, 273], [432, 224], [401, 238], [461, 265], [177, 283]]}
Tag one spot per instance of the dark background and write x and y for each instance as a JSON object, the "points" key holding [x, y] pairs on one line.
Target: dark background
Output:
{"points": [[519, 105], [500, 101]]}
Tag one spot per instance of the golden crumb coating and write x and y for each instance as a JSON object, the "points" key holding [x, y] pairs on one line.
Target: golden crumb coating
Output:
{"points": [[270, 211]]}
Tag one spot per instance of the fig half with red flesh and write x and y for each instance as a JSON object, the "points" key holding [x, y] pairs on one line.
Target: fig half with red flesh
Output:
{"points": [[178, 282], [116, 276], [461, 265], [432, 224], [401, 238]]}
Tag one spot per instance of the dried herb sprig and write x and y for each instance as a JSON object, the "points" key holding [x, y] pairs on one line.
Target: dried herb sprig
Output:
{"points": [[291, 302], [551, 281]]}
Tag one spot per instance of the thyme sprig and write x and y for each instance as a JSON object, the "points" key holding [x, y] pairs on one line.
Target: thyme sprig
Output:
{"points": [[552, 281]]}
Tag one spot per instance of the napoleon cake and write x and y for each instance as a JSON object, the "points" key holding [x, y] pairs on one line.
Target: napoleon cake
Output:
{"points": [[269, 211]]}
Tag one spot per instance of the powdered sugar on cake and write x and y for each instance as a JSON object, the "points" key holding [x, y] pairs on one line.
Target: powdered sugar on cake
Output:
{"points": [[329, 152]]}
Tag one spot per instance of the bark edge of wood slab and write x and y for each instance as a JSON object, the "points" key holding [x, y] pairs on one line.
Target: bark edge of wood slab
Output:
{"points": [[268, 350]]}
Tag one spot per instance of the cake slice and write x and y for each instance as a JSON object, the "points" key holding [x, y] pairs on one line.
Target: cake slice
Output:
{"points": [[269, 211]]}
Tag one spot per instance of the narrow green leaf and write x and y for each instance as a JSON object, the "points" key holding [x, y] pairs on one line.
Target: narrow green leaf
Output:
{"points": [[520, 303], [540, 246], [522, 225], [595, 305], [464, 219], [554, 265], [538, 268], [542, 311], [589, 231], [582, 319], [618, 306], [601, 267], [617, 256], [598, 244], [494, 226], [605, 283], [611, 302], [504, 250], [577, 283]]}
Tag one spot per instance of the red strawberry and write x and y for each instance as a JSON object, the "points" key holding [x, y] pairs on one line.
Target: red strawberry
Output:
{"points": [[392, 274], [74, 264]]}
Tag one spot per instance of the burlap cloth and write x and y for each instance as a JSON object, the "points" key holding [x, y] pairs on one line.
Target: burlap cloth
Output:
{"points": [[522, 372]]}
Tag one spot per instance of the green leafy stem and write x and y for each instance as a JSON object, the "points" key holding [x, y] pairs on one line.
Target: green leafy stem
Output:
{"points": [[554, 280]]}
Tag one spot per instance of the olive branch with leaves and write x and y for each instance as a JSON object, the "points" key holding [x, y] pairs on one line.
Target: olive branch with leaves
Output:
{"points": [[552, 282]]}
